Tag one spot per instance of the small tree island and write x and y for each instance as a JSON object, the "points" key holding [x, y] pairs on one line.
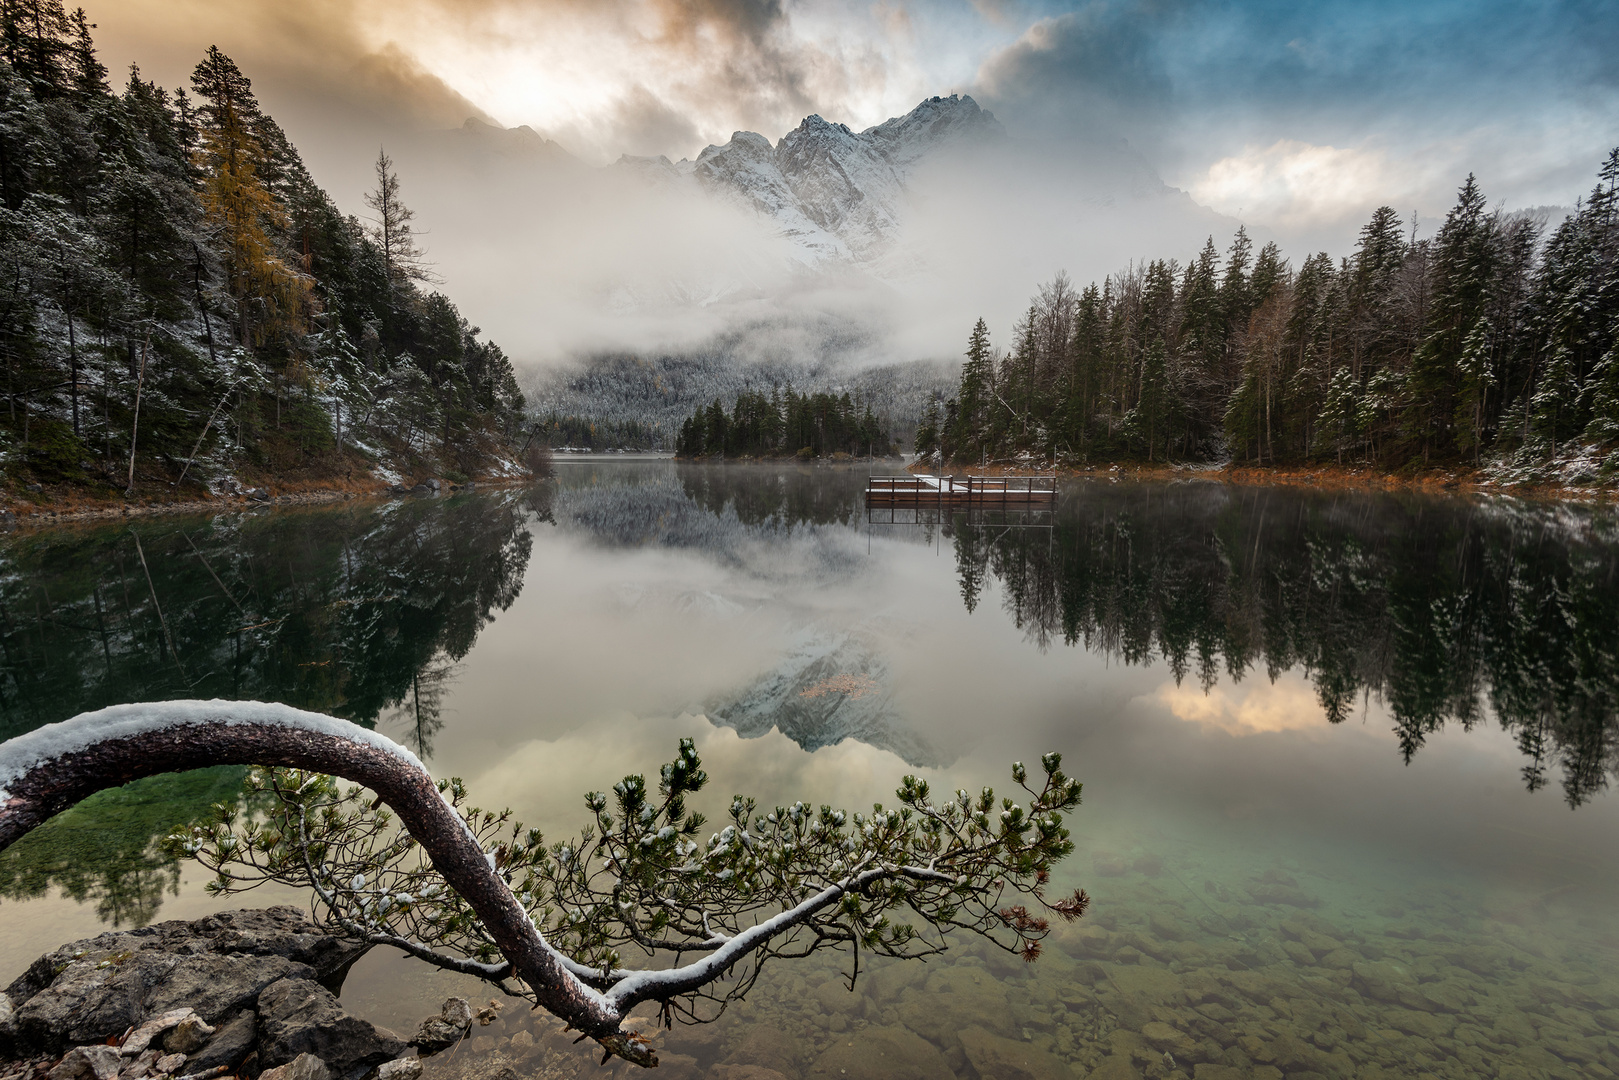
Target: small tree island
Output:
{"points": [[412, 865]]}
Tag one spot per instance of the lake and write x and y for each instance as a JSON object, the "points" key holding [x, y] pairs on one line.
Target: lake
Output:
{"points": [[1347, 756]]}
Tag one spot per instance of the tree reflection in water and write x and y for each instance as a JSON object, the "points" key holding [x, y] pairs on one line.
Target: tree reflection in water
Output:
{"points": [[361, 611], [1448, 611]]}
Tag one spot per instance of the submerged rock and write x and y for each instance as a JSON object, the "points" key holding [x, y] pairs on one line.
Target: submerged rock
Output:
{"points": [[446, 1029], [883, 1054], [1007, 1059]]}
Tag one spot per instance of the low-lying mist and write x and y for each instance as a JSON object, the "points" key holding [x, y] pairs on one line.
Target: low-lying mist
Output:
{"points": [[559, 261]]}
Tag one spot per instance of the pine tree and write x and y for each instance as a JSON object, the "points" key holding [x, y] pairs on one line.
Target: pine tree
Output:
{"points": [[402, 258], [974, 399], [246, 213], [1463, 269], [87, 74]]}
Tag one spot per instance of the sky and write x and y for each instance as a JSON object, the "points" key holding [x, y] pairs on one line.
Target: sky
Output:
{"points": [[1296, 118]]}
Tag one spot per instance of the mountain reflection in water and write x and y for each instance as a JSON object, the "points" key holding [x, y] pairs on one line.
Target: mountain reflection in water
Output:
{"points": [[360, 611], [1445, 610]]}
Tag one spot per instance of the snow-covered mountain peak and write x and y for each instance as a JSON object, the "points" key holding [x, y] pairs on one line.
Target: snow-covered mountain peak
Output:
{"points": [[935, 122], [837, 193]]}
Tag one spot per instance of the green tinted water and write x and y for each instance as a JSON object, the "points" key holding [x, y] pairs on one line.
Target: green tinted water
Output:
{"points": [[1347, 757]]}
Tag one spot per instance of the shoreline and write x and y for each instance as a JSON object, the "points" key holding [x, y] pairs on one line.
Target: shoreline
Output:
{"points": [[1460, 481], [79, 507]]}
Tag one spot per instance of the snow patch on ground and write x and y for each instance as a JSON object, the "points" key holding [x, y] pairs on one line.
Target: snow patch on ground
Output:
{"points": [[25, 753], [387, 474], [1578, 464]]}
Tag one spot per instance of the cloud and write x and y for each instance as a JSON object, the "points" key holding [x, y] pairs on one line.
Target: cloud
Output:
{"points": [[1257, 707], [308, 54], [646, 124], [1292, 183], [1301, 117], [1095, 71]]}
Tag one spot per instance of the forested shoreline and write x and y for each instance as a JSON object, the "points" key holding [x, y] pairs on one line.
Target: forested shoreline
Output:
{"points": [[183, 308], [786, 424], [1490, 344]]}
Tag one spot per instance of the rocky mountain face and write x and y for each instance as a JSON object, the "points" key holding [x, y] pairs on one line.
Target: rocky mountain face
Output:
{"points": [[838, 194]]}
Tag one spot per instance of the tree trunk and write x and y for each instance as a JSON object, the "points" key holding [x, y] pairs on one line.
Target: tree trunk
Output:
{"points": [[50, 769], [135, 421]]}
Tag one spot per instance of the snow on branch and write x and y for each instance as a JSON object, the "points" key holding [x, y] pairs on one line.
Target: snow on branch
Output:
{"points": [[413, 866]]}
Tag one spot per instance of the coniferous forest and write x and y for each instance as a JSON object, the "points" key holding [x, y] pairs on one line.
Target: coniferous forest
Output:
{"points": [[1490, 343], [181, 304], [784, 424]]}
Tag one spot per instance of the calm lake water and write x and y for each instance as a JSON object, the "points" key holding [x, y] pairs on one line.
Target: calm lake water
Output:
{"points": [[1347, 757]]}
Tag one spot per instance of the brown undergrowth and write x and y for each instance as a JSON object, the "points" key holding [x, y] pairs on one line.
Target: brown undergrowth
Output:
{"points": [[1459, 480], [97, 501]]}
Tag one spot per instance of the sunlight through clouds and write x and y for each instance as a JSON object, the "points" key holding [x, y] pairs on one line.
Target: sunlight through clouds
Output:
{"points": [[1293, 183]]}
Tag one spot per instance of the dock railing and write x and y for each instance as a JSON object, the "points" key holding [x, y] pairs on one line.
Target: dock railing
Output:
{"points": [[913, 488]]}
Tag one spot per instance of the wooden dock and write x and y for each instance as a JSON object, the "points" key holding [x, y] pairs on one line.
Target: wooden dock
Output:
{"points": [[914, 490]]}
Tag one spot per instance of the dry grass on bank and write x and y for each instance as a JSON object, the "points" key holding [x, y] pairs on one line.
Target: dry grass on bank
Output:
{"points": [[1433, 481]]}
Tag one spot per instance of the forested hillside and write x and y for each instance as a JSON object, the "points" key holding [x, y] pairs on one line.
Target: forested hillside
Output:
{"points": [[642, 401], [181, 305], [1488, 344]]}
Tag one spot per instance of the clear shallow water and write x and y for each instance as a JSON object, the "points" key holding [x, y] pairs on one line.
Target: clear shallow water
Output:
{"points": [[1426, 886]]}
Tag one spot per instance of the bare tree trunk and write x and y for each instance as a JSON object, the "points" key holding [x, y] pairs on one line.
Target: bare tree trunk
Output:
{"points": [[135, 422], [73, 371], [204, 435]]}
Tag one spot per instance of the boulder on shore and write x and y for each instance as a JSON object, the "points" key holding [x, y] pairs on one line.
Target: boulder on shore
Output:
{"points": [[299, 1017], [213, 968]]}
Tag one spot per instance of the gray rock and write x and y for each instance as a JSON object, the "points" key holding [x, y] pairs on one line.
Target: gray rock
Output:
{"points": [[8, 1022], [168, 1063], [188, 1036], [88, 1063], [406, 1068], [206, 1074], [141, 1066], [230, 1045], [142, 1037], [446, 1029], [299, 1016], [90, 990], [302, 1067]]}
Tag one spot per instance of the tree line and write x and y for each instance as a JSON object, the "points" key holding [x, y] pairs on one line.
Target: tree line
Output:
{"points": [[179, 299], [1490, 341], [784, 425], [587, 433]]}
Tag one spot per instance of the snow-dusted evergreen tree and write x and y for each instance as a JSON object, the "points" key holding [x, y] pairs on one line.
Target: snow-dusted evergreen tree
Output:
{"points": [[171, 270]]}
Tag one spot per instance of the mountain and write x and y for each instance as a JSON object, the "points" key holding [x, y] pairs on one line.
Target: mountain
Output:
{"points": [[838, 194], [657, 391]]}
